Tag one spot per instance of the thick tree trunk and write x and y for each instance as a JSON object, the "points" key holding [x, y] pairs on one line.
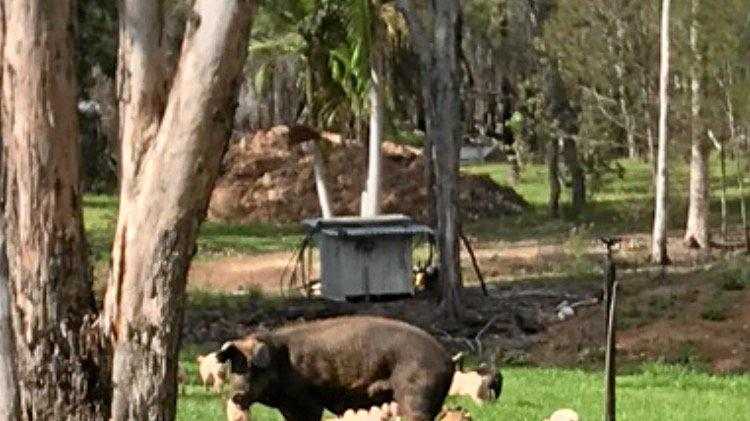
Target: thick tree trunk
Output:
{"points": [[8, 384], [172, 148], [659, 235], [697, 229], [8, 381], [445, 83], [61, 374], [553, 177], [437, 40]]}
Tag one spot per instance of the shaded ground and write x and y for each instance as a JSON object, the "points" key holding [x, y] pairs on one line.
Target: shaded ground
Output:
{"points": [[701, 319], [697, 313]]}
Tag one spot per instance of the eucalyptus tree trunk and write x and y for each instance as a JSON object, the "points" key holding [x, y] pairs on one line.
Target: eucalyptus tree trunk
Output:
{"points": [[172, 144], [659, 235], [742, 168], [8, 387], [445, 83], [697, 230], [60, 366], [553, 177], [650, 144], [723, 164], [739, 159], [435, 27], [578, 178], [559, 108], [627, 116]]}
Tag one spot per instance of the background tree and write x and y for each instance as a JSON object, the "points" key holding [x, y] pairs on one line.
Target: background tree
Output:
{"points": [[437, 36], [659, 236], [697, 230]]}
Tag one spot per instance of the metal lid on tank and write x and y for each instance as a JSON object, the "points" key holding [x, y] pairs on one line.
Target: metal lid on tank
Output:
{"points": [[355, 226]]}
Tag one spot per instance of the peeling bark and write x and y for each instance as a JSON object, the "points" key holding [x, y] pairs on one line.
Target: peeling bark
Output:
{"points": [[8, 382], [172, 146], [8, 385], [59, 361]]}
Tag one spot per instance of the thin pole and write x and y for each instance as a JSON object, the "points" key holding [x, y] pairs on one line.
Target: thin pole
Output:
{"points": [[610, 369]]}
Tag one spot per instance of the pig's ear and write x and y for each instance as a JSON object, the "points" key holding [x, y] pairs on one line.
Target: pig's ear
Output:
{"points": [[261, 355], [230, 352]]}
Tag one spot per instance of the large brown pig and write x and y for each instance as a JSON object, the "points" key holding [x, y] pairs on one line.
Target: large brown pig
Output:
{"points": [[341, 363]]}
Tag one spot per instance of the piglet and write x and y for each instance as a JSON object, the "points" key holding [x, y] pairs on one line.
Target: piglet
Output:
{"points": [[212, 372]]}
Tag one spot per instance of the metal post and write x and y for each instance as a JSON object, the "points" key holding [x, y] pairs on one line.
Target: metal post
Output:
{"points": [[610, 297], [610, 368]]}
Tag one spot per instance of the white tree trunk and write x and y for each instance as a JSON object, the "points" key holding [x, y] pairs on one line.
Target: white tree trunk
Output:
{"points": [[659, 236], [371, 197], [172, 147], [697, 229], [321, 178], [627, 117]]}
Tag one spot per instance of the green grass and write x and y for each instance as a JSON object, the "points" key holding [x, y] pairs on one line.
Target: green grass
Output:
{"points": [[656, 392], [616, 205], [214, 238]]}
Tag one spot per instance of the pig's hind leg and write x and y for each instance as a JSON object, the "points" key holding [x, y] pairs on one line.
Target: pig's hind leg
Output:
{"points": [[421, 400]]}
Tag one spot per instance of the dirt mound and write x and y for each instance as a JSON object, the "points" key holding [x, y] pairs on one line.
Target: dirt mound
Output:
{"points": [[266, 177]]}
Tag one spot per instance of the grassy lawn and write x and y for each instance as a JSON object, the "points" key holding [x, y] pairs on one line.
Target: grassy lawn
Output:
{"points": [[616, 205], [656, 392], [214, 239]]}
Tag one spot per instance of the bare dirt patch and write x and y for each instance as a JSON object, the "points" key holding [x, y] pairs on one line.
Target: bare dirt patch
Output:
{"points": [[240, 273]]}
